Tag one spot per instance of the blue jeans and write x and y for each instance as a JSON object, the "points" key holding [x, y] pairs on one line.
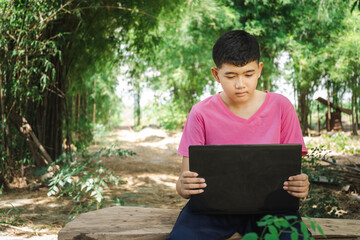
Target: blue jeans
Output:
{"points": [[191, 226]]}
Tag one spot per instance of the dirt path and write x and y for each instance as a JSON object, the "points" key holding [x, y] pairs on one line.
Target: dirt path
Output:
{"points": [[152, 173], [151, 177]]}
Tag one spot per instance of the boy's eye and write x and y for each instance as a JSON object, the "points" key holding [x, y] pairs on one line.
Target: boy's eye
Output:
{"points": [[249, 75], [230, 77]]}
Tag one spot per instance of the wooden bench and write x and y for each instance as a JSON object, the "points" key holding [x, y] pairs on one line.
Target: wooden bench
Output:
{"points": [[155, 224]]}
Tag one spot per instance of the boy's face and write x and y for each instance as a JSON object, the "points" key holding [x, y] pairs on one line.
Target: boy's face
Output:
{"points": [[238, 83]]}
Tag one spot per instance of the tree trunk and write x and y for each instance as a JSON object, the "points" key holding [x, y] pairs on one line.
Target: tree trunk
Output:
{"points": [[52, 110], [67, 111], [303, 109], [94, 107], [318, 111], [309, 119], [5, 140], [22, 125], [357, 109], [137, 106], [328, 119], [354, 113], [2, 105], [77, 108], [4, 77]]}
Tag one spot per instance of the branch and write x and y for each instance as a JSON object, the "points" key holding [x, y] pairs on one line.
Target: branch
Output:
{"points": [[122, 8], [25, 129], [46, 20], [341, 165], [58, 92]]}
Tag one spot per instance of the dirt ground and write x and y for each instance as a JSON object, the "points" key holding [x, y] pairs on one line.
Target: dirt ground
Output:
{"points": [[151, 177]]}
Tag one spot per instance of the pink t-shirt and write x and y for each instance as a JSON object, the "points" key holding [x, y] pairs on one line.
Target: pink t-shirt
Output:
{"points": [[210, 122]]}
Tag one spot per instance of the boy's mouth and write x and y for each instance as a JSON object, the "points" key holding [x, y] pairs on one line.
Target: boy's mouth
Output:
{"points": [[240, 94]]}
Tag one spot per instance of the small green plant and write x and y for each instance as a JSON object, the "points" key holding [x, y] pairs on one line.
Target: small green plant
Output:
{"points": [[274, 227], [320, 203], [311, 165], [118, 202], [84, 178], [11, 216], [113, 151]]}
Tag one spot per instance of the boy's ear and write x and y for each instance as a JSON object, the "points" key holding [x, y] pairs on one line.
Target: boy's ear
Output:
{"points": [[261, 65], [214, 72]]}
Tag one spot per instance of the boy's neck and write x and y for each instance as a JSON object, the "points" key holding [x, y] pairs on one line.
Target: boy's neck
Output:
{"points": [[255, 98], [245, 109]]}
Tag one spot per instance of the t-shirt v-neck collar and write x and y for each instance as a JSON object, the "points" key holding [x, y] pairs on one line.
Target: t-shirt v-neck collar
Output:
{"points": [[233, 115]]}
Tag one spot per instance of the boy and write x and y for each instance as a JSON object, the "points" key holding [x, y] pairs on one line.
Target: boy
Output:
{"points": [[239, 114]]}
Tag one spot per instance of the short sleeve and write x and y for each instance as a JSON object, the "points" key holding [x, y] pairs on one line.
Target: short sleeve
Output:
{"points": [[290, 127], [193, 134]]}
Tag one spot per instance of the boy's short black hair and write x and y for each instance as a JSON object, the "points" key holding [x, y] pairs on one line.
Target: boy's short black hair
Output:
{"points": [[237, 48]]}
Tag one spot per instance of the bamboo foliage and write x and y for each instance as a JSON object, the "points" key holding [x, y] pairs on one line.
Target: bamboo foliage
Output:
{"points": [[59, 61], [51, 55]]}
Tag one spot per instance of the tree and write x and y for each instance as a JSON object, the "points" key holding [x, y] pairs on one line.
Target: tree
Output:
{"points": [[52, 54], [345, 70], [183, 54]]}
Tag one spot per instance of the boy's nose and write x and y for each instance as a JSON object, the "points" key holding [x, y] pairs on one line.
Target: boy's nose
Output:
{"points": [[239, 83]]}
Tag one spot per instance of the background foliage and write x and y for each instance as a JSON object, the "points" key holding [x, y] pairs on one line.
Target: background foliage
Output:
{"points": [[59, 62]]}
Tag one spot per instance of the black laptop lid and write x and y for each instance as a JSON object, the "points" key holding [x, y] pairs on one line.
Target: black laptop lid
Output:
{"points": [[245, 179]]}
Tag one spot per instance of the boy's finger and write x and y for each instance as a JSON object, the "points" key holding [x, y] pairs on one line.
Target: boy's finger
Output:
{"points": [[193, 192], [300, 177], [296, 183], [194, 186], [296, 189], [190, 174], [193, 180]]}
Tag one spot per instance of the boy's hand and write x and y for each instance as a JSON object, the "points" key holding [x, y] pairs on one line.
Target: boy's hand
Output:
{"points": [[297, 186], [190, 184]]}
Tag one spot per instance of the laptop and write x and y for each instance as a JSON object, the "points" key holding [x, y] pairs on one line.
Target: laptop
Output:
{"points": [[245, 179]]}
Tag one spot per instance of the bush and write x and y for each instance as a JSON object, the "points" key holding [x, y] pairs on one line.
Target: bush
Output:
{"points": [[320, 203], [311, 165], [85, 178]]}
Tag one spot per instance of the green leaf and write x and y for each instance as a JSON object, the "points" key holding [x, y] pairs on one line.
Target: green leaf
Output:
{"points": [[269, 236], [283, 223], [250, 236], [262, 224], [354, 5], [320, 230], [312, 224], [304, 230], [273, 230], [294, 235], [291, 217]]}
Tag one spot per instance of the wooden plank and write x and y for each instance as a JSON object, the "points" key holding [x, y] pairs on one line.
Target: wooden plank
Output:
{"points": [[154, 224], [337, 228], [325, 102], [121, 223]]}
